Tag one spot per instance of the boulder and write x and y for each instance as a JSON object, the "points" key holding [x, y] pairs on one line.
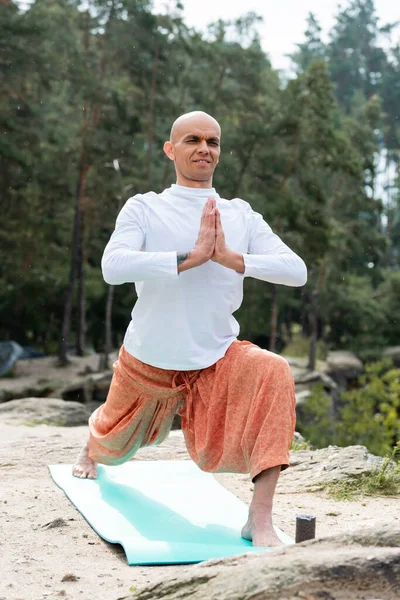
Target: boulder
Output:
{"points": [[101, 385], [354, 566], [310, 377], [300, 362], [327, 465], [79, 380], [50, 411], [394, 354], [343, 366], [304, 380], [36, 389], [92, 387], [309, 468], [302, 395]]}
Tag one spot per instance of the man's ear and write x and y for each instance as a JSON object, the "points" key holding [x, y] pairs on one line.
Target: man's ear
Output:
{"points": [[169, 150]]}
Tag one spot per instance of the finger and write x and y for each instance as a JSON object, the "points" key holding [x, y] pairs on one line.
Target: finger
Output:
{"points": [[213, 222], [212, 206], [218, 224], [206, 208], [207, 211], [205, 214]]}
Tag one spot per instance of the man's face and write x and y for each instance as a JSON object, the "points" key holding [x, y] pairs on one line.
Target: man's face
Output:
{"points": [[196, 148]]}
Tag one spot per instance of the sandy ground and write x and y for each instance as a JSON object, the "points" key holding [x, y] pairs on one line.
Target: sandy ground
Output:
{"points": [[67, 559]]}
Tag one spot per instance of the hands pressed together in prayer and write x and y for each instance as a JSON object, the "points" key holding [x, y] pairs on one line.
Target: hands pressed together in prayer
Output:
{"points": [[210, 244]]}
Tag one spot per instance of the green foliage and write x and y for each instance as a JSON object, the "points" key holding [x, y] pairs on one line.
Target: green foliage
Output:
{"points": [[368, 415], [313, 47], [298, 446], [356, 316]]}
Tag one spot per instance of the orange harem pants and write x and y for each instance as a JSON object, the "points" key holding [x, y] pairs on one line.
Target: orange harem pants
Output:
{"points": [[237, 415]]}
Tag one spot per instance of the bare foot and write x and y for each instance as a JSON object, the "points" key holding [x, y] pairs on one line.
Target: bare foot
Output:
{"points": [[259, 529], [85, 467]]}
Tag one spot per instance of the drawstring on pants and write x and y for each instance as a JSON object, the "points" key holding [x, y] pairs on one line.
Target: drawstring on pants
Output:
{"points": [[187, 385]]}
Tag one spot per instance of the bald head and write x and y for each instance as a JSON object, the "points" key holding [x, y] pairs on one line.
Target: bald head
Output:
{"points": [[195, 119], [194, 146]]}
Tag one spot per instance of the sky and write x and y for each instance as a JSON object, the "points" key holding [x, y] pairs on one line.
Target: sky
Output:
{"points": [[284, 21]]}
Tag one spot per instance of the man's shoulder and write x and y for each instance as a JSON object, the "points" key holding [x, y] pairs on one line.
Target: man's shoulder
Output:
{"points": [[141, 199], [238, 204], [144, 197]]}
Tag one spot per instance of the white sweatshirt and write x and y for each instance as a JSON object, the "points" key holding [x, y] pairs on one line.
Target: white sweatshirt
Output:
{"points": [[184, 321]]}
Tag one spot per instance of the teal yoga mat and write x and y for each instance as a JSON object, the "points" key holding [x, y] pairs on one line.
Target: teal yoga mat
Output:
{"points": [[161, 512]]}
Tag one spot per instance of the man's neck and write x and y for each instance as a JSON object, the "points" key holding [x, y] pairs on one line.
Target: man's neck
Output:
{"points": [[194, 184]]}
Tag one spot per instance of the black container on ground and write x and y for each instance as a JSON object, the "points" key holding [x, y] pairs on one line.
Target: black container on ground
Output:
{"points": [[305, 528]]}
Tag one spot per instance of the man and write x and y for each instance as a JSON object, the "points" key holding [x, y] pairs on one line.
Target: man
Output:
{"points": [[188, 250]]}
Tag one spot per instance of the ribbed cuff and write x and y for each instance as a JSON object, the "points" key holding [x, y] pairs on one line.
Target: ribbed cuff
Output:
{"points": [[251, 265]]}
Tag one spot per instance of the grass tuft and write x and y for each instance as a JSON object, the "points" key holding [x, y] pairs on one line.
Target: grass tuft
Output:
{"points": [[297, 446], [384, 481]]}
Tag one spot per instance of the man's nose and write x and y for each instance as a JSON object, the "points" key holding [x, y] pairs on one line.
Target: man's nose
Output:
{"points": [[203, 146]]}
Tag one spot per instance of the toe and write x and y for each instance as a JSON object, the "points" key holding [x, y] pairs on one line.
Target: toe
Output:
{"points": [[78, 472]]}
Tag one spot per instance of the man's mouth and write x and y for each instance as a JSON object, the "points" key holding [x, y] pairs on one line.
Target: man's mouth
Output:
{"points": [[202, 161]]}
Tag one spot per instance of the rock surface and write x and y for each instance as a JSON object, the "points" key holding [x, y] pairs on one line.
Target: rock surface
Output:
{"points": [[394, 354], [79, 380], [49, 551], [345, 567], [49, 411], [327, 465], [343, 366]]}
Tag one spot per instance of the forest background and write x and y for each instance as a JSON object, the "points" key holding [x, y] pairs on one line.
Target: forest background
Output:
{"points": [[88, 92]]}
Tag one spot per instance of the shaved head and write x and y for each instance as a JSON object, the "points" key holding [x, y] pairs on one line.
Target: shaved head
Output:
{"points": [[196, 118], [194, 146]]}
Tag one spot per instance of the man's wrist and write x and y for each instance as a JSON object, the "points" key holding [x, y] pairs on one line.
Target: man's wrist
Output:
{"points": [[232, 260], [189, 260]]}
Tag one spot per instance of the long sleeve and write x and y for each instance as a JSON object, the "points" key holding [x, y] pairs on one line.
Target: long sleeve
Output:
{"points": [[124, 261], [269, 259]]}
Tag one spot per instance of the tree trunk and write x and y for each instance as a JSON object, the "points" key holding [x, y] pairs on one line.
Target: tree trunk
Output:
{"points": [[81, 326], [291, 159], [304, 321], [84, 170], [245, 164], [104, 358], [167, 169], [181, 105], [151, 119], [321, 277], [80, 207], [274, 319], [314, 330], [66, 323], [218, 87]]}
